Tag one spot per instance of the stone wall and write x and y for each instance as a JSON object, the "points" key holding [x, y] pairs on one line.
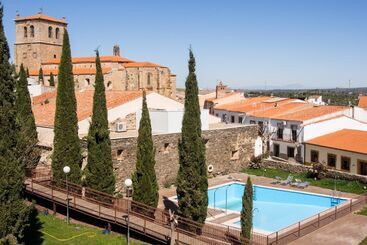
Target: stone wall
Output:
{"points": [[227, 149], [300, 168]]}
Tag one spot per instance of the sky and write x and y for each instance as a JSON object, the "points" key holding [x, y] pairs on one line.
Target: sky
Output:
{"points": [[246, 44]]}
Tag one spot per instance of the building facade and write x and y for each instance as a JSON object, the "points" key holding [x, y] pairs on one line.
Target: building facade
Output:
{"points": [[39, 43]]}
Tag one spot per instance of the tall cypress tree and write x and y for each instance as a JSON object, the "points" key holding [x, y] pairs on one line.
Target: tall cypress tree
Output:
{"points": [[40, 75], [100, 174], [28, 132], [52, 80], [67, 149], [144, 178], [13, 212], [192, 181], [27, 72], [246, 213]]}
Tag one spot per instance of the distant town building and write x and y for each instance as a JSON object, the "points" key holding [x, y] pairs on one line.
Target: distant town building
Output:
{"points": [[38, 43], [339, 150], [316, 100]]}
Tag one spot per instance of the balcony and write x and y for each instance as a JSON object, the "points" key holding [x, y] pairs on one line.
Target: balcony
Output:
{"points": [[284, 137]]}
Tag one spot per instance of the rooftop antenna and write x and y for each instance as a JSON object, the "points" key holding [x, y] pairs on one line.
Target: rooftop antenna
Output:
{"points": [[17, 13], [40, 11]]}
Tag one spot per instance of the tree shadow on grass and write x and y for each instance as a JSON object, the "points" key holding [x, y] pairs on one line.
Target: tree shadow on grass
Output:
{"points": [[33, 234]]}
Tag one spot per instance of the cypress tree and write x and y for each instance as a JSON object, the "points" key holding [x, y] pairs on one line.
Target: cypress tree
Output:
{"points": [[192, 181], [246, 212], [14, 213], [99, 168], [40, 75], [27, 72], [144, 178], [67, 149], [28, 132], [52, 80]]}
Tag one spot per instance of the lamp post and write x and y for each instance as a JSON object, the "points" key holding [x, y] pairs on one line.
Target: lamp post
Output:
{"points": [[66, 170], [128, 183]]}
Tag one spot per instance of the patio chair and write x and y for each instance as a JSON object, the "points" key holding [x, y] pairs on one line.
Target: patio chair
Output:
{"points": [[296, 183], [277, 180], [303, 185], [287, 181]]}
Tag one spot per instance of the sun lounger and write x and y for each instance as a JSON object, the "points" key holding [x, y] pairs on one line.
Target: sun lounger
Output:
{"points": [[277, 180], [303, 185], [287, 181], [296, 183]]}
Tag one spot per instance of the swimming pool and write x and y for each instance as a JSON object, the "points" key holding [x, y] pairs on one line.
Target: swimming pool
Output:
{"points": [[274, 208]]}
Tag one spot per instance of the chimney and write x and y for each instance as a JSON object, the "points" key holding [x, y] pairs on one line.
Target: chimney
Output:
{"points": [[116, 50], [220, 90]]}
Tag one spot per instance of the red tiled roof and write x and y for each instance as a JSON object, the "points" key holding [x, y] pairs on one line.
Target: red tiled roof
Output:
{"points": [[280, 109], [346, 139], [40, 99], [142, 64], [76, 71], [310, 113], [91, 59], [362, 102], [40, 16], [44, 114]]}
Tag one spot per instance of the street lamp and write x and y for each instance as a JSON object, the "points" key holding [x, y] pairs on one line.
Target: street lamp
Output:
{"points": [[66, 170], [128, 184]]}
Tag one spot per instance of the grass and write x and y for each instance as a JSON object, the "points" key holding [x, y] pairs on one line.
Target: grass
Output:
{"points": [[52, 230], [355, 187], [363, 211]]}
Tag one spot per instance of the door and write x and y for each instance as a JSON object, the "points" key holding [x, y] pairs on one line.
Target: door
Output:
{"points": [[276, 150], [362, 167]]}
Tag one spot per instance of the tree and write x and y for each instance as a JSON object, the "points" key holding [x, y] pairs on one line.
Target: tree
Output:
{"points": [[27, 72], [13, 211], [192, 181], [52, 80], [100, 174], [28, 133], [67, 150], [40, 75], [144, 178], [246, 212]]}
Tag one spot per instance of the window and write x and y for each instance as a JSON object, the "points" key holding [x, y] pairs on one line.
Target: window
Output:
{"points": [[57, 33], [362, 167], [87, 82], [32, 31], [34, 55], [331, 160], [280, 133], [294, 132], [148, 79], [216, 114], [120, 153], [276, 150], [252, 122], [314, 156], [54, 56], [235, 155], [345, 163], [109, 84], [240, 119], [166, 148], [24, 55], [50, 31], [261, 127], [290, 152], [232, 119], [25, 31]]}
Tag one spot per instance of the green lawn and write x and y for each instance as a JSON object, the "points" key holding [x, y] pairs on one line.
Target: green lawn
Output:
{"points": [[363, 211], [52, 230], [341, 185]]}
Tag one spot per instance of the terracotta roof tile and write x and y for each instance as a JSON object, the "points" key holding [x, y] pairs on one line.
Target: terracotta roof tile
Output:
{"points": [[142, 64], [76, 71], [40, 16], [362, 102], [44, 114], [40, 99], [91, 59], [345, 139], [280, 109]]}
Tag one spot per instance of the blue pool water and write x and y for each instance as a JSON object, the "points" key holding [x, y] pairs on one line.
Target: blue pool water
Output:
{"points": [[274, 209]]}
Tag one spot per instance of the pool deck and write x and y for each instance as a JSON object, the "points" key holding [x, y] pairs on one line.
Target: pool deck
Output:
{"points": [[350, 229]]}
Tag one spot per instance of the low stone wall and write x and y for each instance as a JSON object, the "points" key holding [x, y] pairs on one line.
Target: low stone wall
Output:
{"points": [[227, 149], [300, 168]]}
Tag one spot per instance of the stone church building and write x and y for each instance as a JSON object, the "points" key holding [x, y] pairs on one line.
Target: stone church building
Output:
{"points": [[38, 43]]}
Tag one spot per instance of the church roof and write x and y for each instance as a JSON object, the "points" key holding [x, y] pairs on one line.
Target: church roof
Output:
{"points": [[44, 113], [142, 64], [41, 16], [91, 59]]}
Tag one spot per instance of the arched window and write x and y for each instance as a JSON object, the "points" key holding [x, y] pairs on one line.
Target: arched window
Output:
{"points": [[149, 79], [87, 82], [32, 31], [50, 32], [25, 31], [109, 84], [57, 32]]}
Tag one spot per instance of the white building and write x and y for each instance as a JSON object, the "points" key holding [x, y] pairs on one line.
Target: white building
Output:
{"points": [[124, 112]]}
